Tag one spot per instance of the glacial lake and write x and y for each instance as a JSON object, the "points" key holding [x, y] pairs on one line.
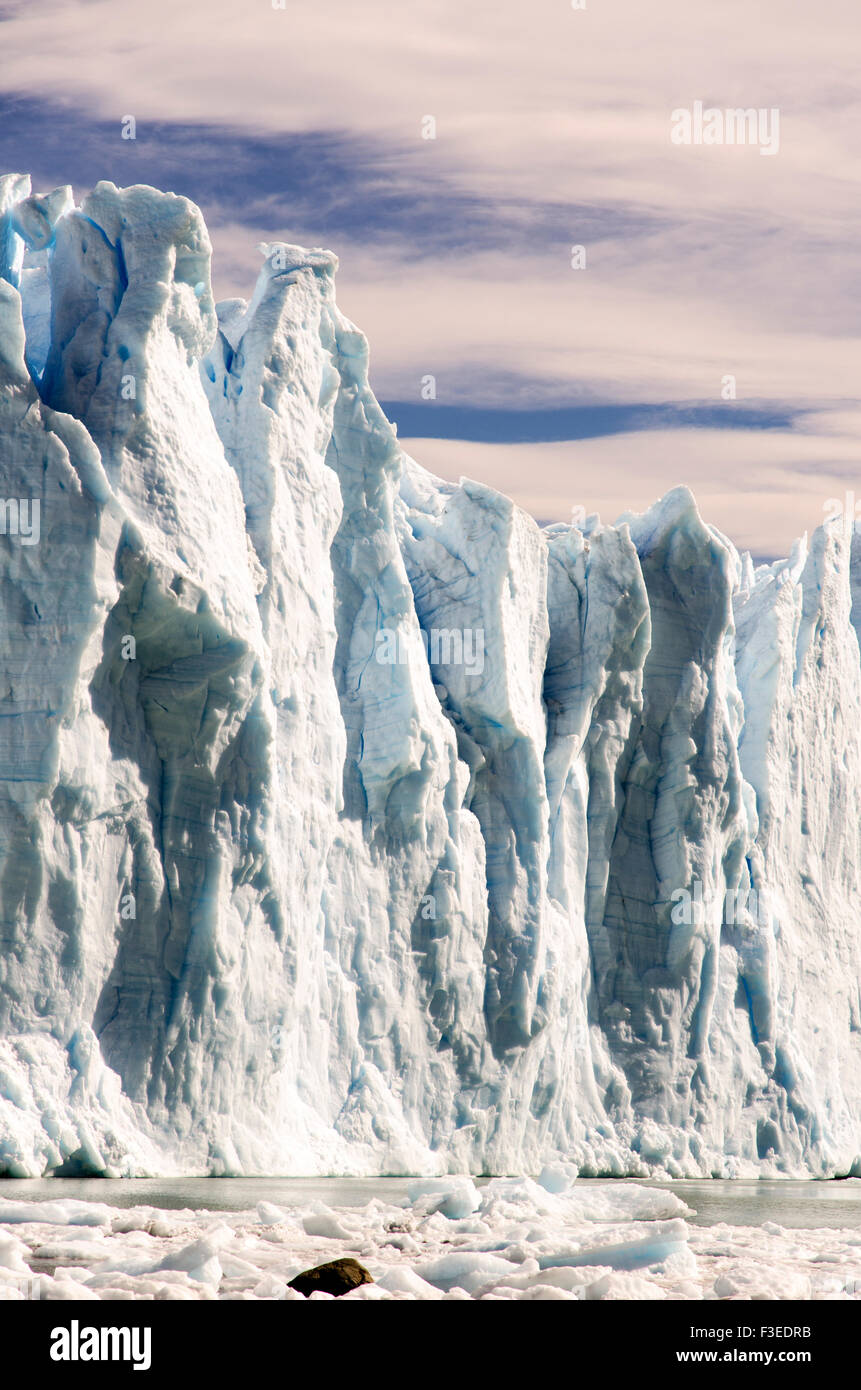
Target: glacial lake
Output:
{"points": [[801, 1204]]}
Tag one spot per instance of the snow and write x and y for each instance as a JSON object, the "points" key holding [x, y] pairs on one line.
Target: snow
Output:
{"points": [[271, 903], [601, 1241]]}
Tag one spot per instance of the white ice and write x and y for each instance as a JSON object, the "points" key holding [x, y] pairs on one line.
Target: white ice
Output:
{"points": [[581, 1242], [285, 886]]}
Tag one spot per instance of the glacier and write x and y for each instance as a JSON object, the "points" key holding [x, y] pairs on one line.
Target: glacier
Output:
{"points": [[350, 821]]}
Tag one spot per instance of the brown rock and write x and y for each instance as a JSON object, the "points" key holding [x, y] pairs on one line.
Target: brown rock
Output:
{"points": [[337, 1277]]}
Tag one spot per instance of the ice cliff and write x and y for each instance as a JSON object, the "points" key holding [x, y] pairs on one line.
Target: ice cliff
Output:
{"points": [[351, 822]]}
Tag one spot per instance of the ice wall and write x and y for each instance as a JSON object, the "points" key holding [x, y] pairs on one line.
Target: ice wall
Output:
{"points": [[349, 822]]}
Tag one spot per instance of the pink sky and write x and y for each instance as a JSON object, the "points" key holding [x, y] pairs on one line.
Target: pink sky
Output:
{"points": [[749, 265]]}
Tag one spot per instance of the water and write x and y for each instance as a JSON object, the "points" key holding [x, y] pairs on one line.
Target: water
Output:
{"points": [[794, 1204], [209, 1194], [798, 1205]]}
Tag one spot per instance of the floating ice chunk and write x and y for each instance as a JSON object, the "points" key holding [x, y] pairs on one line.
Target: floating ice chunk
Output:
{"points": [[468, 1270], [271, 1287], [12, 1252], [616, 1201], [623, 1286], [402, 1279], [81, 1245], [322, 1221], [759, 1283], [269, 1215], [135, 1220], [401, 1240], [671, 1240], [64, 1289], [452, 1197], [367, 1293], [537, 1292], [65, 1212], [200, 1260], [557, 1177], [548, 1293], [233, 1267]]}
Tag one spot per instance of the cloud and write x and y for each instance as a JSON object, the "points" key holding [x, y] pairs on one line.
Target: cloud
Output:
{"points": [[593, 334], [552, 130], [558, 424], [323, 184], [761, 488]]}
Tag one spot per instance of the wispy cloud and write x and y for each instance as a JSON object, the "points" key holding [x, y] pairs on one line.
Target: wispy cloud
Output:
{"points": [[552, 129], [761, 487]]}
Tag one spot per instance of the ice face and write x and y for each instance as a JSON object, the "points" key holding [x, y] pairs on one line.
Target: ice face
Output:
{"points": [[351, 823]]}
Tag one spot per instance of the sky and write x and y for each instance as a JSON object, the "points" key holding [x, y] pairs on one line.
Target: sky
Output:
{"points": [[709, 268]]}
